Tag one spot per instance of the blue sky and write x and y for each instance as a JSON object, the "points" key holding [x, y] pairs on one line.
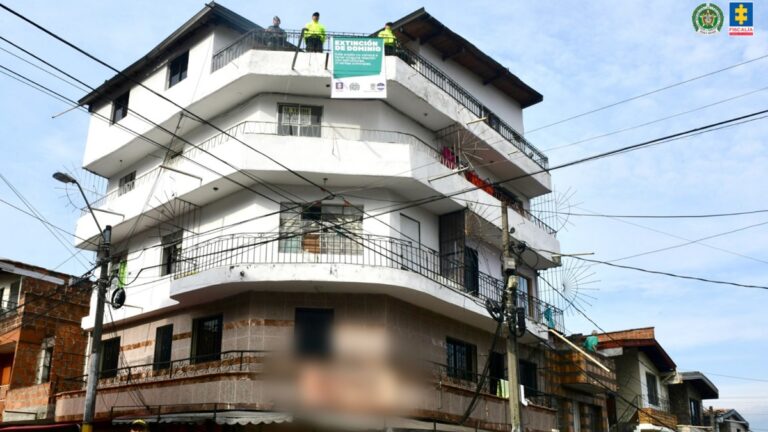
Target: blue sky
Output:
{"points": [[579, 57]]}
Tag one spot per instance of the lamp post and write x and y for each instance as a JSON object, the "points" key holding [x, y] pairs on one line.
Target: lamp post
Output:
{"points": [[103, 258]]}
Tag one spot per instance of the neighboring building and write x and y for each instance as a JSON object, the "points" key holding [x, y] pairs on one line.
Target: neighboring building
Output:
{"points": [[243, 283], [41, 340], [686, 393], [644, 371], [729, 420], [581, 387]]}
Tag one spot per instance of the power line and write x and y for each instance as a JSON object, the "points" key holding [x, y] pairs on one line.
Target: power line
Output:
{"points": [[674, 275], [738, 377], [643, 94], [688, 216], [698, 241], [41, 218], [687, 240], [638, 126]]}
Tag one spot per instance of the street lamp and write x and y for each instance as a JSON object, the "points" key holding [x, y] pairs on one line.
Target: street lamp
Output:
{"points": [[103, 258]]}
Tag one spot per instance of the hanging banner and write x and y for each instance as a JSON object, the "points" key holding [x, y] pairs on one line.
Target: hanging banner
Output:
{"points": [[358, 68]]}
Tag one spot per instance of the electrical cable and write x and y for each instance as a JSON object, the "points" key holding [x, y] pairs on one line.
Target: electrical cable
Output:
{"points": [[689, 216], [648, 123], [674, 275], [667, 87]]}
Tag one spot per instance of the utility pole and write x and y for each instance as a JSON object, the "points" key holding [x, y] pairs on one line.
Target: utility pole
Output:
{"points": [[510, 294], [94, 358], [103, 258]]}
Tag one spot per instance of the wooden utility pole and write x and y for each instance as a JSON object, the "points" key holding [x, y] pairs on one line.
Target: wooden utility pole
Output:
{"points": [[510, 293]]}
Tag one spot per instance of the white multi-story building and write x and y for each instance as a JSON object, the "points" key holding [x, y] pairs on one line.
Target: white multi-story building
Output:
{"points": [[253, 215]]}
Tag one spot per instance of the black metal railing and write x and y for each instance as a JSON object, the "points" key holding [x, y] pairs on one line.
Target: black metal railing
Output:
{"points": [[262, 39], [223, 362], [658, 403], [468, 380], [290, 40], [356, 249]]}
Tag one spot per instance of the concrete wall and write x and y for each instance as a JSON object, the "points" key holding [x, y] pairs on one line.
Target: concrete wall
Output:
{"points": [[378, 327]]}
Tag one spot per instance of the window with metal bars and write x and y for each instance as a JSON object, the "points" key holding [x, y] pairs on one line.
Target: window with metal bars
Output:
{"points": [[299, 120], [462, 357], [321, 228]]}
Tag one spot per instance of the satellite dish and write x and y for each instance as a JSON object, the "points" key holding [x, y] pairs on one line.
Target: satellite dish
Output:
{"points": [[118, 298], [566, 286]]}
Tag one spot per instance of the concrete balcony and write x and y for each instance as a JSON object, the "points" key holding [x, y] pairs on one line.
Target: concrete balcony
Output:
{"points": [[253, 69], [407, 163], [257, 382], [327, 262]]}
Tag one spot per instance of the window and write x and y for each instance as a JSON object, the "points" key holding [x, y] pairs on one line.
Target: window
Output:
{"points": [[126, 183], [525, 296], [177, 69], [496, 372], [314, 227], [110, 354], [120, 107], [163, 342], [529, 377], [312, 332], [462, 358], [206, 339], [299, 120], [9, 296], [171, 252], [695, 412], [471, 271], [410, 229], [43, 370], [653, 390]]}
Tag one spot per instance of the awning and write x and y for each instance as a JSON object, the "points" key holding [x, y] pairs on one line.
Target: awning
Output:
{"points": [[42, 427], [369, 423], [222, 418]]}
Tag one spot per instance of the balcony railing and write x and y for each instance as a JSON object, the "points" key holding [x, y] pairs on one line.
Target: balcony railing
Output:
{"points": [[355, 249], [224, 362], [291, 41], [137, 183]]}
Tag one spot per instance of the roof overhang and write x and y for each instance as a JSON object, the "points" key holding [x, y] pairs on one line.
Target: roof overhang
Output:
{"points": [[212, 13], [702, 384], [642, 339], [422, 27]]}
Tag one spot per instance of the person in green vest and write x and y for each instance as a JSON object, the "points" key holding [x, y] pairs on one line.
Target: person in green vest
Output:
{"points": [[390, 40], [314, 34]]}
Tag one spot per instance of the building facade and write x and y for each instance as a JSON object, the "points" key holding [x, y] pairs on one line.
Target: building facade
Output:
{"points": [[287, 255], [41, 341]]}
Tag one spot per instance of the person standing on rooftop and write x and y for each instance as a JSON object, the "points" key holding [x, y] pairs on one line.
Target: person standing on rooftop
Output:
{"points": [[390, 40], [314, 34], [275, 34]]}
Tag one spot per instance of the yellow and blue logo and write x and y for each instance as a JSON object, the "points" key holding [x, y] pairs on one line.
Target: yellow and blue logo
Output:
{"points": [[741, 20]]}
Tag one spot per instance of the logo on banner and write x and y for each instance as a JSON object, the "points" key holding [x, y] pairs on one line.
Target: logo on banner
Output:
{"points": [[707, 18], [741, 16]]}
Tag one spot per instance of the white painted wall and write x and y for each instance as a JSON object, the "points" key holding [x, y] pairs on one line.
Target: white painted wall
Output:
{"points": [[502, 105]]}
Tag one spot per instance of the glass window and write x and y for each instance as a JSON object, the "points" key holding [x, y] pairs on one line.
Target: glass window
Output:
{"points": [[206, 339], [462, 357], [695, 412], [126, 183], [653, 390], [320, 228], [163, 342], [299, 120], [110, 356], [120, 107], [171, 252], [43, 371], [529, 377], [177, 69], [312, 332]]}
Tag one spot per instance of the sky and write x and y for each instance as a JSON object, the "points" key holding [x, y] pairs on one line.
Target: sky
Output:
{"points": [[580, 57]]}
